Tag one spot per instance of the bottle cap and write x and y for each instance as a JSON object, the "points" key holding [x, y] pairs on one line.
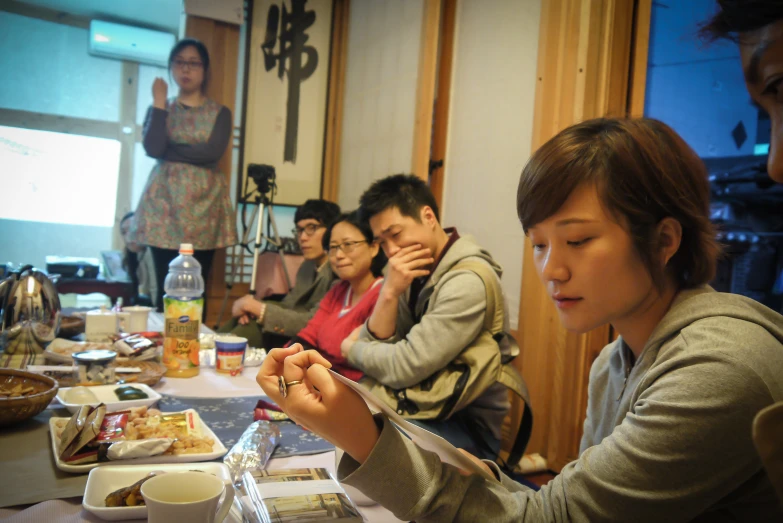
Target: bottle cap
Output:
{"points": [[186, 248]]}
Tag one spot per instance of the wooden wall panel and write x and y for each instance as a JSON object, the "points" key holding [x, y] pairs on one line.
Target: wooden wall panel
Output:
{"points": [[443, 98], [641, 46], [425, 91], [330, 187], [586, 49]]}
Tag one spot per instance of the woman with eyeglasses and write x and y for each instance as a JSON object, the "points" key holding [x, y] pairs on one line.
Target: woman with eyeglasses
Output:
{"points": [[186, 198], [267, 323], [358, 261]]}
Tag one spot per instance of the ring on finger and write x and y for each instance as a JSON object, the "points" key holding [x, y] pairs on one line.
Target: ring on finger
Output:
{"points": [[283, 385]]}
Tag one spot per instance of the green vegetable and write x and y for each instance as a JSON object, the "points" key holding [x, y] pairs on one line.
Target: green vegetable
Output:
{"points": [[128, 393]]}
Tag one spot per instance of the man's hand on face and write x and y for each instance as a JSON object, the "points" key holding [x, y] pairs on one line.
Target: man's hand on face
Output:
{"points": [[406, 265]]}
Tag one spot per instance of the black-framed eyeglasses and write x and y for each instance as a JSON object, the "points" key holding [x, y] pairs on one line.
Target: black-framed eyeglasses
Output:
{"points": [[346, 247], [181, 64], [308, 229]]}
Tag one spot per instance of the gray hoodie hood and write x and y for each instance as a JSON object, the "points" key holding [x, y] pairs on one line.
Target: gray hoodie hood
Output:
{"points": [[694, 305], [465, 247]]}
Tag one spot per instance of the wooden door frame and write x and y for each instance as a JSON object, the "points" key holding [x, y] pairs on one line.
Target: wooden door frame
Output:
{"points": [[437, 176], [425, 89], [592, 61], [338, 56]]}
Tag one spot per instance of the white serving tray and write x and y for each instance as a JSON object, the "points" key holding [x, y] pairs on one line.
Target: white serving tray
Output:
{"points": [[105, 395], [68, 347], [105, 480], [218, 450]]}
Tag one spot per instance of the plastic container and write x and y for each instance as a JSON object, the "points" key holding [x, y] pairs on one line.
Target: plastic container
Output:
{"points": [[182, 306], [230, 354], [93, 367]]}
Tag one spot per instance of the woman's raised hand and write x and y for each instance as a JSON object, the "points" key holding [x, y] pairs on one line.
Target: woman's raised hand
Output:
{"points": [[160, 91], [320, 402]]}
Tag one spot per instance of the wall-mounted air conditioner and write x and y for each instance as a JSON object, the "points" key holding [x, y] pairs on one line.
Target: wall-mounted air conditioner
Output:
{"points": [[124, 42]]}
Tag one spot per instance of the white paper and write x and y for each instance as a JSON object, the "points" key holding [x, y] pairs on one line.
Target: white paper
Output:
{"points": [[283, 489], [425, 439]]}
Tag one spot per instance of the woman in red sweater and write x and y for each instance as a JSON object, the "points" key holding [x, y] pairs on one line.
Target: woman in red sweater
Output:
{"points": [[358, 262]]}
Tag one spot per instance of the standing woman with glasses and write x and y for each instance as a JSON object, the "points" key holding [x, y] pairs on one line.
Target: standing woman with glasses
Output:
{"points": [[358, 261], [186, 198]]}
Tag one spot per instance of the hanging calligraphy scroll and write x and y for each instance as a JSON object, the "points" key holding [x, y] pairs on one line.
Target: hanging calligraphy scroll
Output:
{"points": [[287, 86]]}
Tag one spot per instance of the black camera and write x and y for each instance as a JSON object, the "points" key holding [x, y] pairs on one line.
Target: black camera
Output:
{"points": [[263, 176]]}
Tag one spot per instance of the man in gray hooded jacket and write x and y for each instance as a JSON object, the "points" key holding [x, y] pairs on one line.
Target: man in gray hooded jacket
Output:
{"points": [[427, 313]]}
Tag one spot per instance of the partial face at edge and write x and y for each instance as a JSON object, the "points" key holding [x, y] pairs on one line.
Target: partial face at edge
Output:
{"points": [[761, 53]]}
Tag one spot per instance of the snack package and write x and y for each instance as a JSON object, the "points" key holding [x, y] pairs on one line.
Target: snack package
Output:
{"points": [[112, 428], [133, 345], [74, 426], [76, 452]]}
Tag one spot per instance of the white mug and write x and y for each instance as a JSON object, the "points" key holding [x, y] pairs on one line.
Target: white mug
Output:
{"points": [[100, 325], [187, 496], [138, 317]]}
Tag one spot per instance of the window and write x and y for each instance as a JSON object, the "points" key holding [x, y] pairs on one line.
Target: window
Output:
{"points": [[58, 178]]}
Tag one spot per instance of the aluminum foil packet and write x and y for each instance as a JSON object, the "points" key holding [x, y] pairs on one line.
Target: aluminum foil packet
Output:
{"points": [[253, 450]]}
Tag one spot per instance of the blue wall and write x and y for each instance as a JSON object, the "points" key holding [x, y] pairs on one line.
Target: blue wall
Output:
{"points": [[696, 88]]}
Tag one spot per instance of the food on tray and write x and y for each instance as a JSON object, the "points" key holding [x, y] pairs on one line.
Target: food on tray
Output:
{"points": [[132, 345], [16, 391], [81, 396], [66, 348], [129, 393], [129, 496], [92, 436], [181, 426]]}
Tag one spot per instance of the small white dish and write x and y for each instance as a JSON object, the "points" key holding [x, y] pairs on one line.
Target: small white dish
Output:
{"points": [[102, 481], [254, 357], [105, 394]]}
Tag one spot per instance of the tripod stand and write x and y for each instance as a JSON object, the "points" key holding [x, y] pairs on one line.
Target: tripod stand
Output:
{"points": [[261, 202]]}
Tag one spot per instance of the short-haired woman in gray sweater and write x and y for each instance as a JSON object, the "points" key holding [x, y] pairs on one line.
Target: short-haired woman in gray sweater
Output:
{"points": [[617, 212]]}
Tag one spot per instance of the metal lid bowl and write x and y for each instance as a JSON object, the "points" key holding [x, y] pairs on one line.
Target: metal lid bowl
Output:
{"points": [[95, 356]]}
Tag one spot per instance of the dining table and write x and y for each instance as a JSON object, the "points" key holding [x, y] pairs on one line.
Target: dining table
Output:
{"points": [[33, 489]]}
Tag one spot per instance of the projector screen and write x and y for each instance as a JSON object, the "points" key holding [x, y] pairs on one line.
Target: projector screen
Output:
{"points": [[58, 178]]}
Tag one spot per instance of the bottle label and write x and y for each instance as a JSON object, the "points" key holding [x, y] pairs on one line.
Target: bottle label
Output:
{"points": [[182, 321]]}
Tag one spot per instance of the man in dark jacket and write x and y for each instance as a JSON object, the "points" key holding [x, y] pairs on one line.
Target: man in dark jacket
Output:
{"points": [[270, 324]]}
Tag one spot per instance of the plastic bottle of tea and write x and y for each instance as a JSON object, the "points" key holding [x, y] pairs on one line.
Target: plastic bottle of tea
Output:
{"points": [[182, 306]]}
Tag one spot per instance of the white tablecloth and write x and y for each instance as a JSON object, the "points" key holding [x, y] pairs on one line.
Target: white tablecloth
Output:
{"points": [[211, 384], [70, 510], [208, 384]]}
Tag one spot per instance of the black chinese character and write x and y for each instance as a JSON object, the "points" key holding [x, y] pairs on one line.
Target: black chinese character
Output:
{"points": [[292, 51]]}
